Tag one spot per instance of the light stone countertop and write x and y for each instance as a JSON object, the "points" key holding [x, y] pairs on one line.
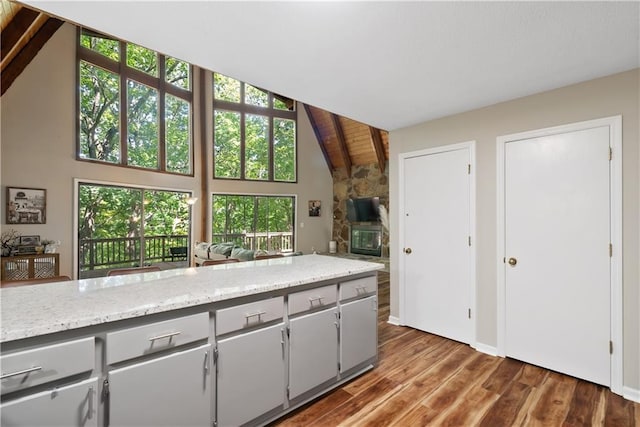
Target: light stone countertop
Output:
{"points": [[29, 311]]}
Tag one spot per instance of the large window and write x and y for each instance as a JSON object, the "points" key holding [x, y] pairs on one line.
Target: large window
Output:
{"points": [[254, 133], [134, 106], [122, 226], [254, 222]]}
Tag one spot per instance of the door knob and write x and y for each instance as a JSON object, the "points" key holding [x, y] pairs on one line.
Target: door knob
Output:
{"points": [[407, 251], [512, 262]]}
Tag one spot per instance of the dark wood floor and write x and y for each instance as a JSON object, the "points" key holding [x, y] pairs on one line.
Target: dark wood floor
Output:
{"points": [[424, 379]]}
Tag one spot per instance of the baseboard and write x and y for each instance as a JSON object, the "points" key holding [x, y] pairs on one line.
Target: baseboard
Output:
{"points": [[631, 394], [394, 320], [486, 349]]}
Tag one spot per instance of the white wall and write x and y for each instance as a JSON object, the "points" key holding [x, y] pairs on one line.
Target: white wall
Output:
{"points": [[608, 96], [38, 140]]}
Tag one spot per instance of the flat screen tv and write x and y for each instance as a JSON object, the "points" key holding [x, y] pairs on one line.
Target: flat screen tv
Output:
{"points": [[366, 209]]}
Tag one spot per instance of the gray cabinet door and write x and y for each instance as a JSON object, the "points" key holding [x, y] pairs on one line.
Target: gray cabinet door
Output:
{"points": [[168, 391], [358, 332], [313, 350], [73, 405], [250, 375]]}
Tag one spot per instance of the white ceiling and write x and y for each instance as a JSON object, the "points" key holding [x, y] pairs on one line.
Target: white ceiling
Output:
{"points": [[387, 64]]}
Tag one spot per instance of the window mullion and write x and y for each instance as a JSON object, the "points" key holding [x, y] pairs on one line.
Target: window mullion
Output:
{"points": [[162, 128], [124, 121]]}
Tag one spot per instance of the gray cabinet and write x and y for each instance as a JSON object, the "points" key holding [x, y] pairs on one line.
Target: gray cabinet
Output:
{"points": [[166, 391], [250, 374], [73, 405], [358, 332], [313, 350]]}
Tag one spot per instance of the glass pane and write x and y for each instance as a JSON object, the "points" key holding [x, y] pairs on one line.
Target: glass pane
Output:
{"points": [[256, 147], [226, 148], [142, 59], [166, 223], [178, 135], [239, 220], [281, 224], [99, 114], [226, 88], [177, 73], [255, 96], [105, 46], [109, 228], [280, 105], [284, 150], [262, 224], [142, 125]]}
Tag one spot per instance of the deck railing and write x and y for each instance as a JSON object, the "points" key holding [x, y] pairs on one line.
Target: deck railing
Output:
{"points": [[281, 241], [126, 251]]}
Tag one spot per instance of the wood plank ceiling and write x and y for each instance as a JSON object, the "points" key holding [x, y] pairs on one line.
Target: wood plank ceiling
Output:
{"points": [[24, 32], [344, 142]]}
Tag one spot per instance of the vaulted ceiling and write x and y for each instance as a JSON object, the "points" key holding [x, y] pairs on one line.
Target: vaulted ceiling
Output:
{"points": [[344, 142]]}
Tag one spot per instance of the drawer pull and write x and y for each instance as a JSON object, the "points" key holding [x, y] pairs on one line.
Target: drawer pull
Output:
{"points": [[247, 317], [361, 290], [317, 300], [24, 371], [169, 335]]}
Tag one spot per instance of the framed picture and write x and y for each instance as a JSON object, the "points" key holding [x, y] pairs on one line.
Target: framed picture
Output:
{"points": [[314, 207], [26, 205], [30, 240]]}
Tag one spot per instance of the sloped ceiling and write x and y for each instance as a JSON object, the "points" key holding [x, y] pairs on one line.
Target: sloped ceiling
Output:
{"points": [[344, 142], [389, 64], [24, 32]]}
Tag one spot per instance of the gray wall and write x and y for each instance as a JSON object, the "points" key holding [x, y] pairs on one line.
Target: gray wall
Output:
{"points": [[38, 140], [608, 96]]}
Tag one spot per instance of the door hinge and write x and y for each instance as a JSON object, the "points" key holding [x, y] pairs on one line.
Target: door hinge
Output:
{"points": [[610, 250], [610, 347], [215, 356], [288, 332], [468, 169], [469, 313], [610, 153], [339, 367], [288, 391]]}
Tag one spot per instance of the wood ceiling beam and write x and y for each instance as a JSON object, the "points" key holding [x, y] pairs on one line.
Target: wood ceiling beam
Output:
{"points": [[316, 131], [376, 139], [342, 142], [14, 32], [27, 53]]}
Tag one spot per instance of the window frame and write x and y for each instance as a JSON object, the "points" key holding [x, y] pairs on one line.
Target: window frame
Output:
{"points": [[125, 73], [255, 197], [245, 109]]}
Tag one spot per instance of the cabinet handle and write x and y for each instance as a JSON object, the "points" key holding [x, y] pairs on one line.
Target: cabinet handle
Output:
{"points": [[24, 371], [90, 410], [257, 314], [312, 300], [206, 362], [361, 289], [169, 335]]}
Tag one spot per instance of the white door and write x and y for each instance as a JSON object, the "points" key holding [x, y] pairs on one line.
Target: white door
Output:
{"points": [[557, 235], [437, 233]]}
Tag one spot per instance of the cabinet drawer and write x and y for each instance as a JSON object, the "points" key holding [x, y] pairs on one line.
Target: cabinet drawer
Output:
{"points": [[248, 315], [358, 288], [312, 299], [41, 365], [141, 340]]}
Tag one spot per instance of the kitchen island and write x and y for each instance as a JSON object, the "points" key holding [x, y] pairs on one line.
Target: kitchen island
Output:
{"points": [[232, 344]]}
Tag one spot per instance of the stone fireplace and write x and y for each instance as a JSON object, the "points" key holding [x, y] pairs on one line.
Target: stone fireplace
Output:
{"points": [[365, 181]]}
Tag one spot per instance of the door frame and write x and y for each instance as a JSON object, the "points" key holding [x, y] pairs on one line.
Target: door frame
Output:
{"points": [[615, 214], [468, 145]]}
